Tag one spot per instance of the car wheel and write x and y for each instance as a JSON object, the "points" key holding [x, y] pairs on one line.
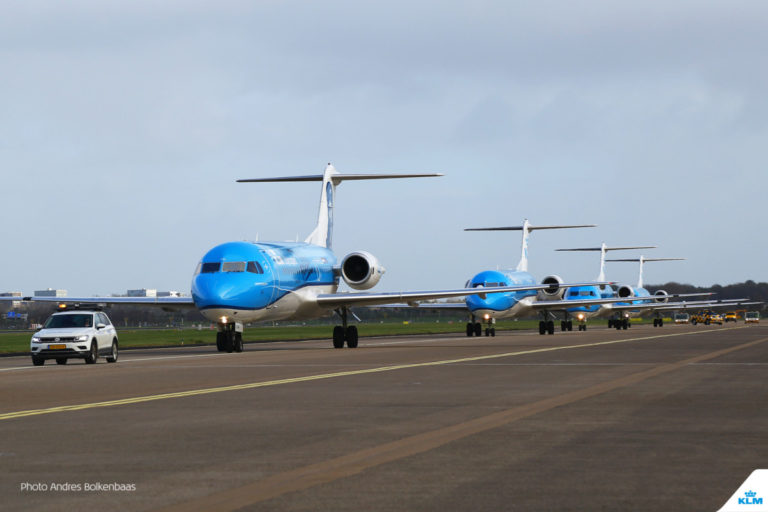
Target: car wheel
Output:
{"points": [[38, 361], [61, 360], [93, 354], [112, 358]]}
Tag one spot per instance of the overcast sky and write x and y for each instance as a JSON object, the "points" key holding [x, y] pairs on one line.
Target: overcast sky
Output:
{"points": [[123, 127]]}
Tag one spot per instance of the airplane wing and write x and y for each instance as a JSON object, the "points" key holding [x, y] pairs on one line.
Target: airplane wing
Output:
{"points": [[708, 305], [142, 301], [334, 300], [565, 304], [699, 304]]}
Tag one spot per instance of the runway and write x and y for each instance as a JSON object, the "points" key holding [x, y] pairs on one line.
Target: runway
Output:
{"points": [[643, 419]]}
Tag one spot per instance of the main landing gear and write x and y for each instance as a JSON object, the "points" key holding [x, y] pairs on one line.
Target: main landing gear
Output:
{"points": [[619, 323], [658, 322], [230, 337], [344, 333], [475, 328], [547, 324]]}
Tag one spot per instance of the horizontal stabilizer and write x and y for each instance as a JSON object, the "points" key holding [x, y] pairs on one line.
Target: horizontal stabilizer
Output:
{"points": [[531, 228], [598, 249], [636, 260], [338, 178]]}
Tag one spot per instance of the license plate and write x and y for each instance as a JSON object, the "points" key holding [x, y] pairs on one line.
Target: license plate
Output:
{"points": [[55, 347]]}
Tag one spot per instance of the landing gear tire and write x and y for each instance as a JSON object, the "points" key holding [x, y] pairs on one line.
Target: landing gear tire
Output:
{"points": [[112, 357], [570, 325], [220, 341], [493, 332], [229, 341], [655, 322], [61, 360], [238, 345], [352, 336], [542, 327], [625, 324], [563, 326], [487, 331], [338, 337], [470, 329], [551, 327], [610, 323], [661, 322], [478, 329]]}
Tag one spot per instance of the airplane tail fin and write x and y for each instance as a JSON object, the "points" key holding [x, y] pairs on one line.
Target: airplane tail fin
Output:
{"points": [[642, 260], [526, 228], [323, 232], [603, 249]]}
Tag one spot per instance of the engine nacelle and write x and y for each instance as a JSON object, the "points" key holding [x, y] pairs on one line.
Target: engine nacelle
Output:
{"points": [[661, 296], [555, 291], [361, 270], [625, 292]]}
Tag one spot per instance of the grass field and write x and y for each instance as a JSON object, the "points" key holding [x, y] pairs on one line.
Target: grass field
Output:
{"points": [[18, 341], [13, 342]]}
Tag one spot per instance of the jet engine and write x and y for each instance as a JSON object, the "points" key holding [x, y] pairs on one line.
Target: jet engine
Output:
{"points": [[625, 292], [661, 296], [361, 270], [555, 291]]}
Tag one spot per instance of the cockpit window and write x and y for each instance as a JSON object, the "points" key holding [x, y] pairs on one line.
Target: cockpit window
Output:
{"points": [[233, 266], [254, 267], [210, 268]]}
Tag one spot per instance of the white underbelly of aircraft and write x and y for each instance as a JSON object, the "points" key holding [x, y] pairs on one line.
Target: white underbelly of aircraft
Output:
{"points": [[295, 305]]}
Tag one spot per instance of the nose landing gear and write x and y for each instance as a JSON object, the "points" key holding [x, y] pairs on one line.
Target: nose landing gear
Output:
{"points": [[475, 328], [230, 337]]}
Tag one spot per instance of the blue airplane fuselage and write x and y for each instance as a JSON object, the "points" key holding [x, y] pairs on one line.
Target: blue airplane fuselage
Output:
{"points": [[499, 305], [249, 281]]}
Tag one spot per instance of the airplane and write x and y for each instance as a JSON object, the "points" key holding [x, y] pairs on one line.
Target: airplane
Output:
{"points": [[637, 307], [625, 292], [543, 302], [241, 282]]}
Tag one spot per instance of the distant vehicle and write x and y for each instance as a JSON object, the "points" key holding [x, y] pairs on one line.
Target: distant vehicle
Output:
{"points": [[731, 316], [752, 317], [82, 334], [682, 318], [716, 318], [706, 317]]}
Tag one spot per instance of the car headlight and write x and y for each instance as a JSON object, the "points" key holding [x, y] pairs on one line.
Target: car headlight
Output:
{"points": [[84, 337], [35, 339]]}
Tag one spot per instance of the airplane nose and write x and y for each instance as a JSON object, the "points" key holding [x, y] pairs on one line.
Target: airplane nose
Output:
{"points": [[211, 290]]}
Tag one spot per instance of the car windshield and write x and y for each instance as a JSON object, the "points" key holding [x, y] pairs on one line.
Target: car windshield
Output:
{"points": [[64, 321]]}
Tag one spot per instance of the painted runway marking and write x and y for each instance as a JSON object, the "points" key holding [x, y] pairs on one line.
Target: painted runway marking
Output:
{"points": [[309, 378], [354, 463]]}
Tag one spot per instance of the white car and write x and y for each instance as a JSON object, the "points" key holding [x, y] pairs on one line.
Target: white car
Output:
{"points": [[84, 334]]}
